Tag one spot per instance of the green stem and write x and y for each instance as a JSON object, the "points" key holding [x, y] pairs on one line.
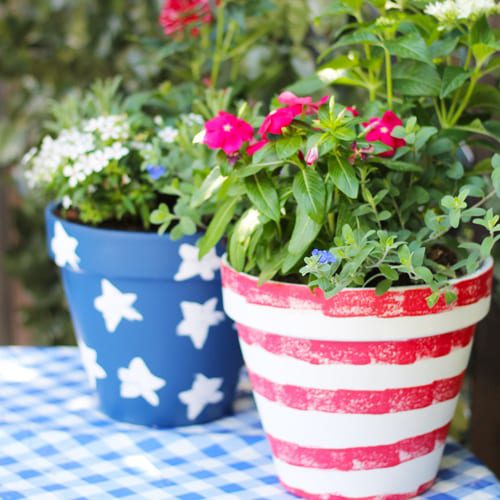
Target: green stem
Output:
{"points": [[388, 75], [217, 59], [465, 100]]}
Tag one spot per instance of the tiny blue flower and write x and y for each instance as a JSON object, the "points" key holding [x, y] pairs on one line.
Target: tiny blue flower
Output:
{"points": [[155, 171], [325, 257]]}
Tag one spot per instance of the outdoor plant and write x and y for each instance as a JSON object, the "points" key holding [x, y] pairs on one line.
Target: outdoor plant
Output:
{"points": [[388, 194], [110, 163]]}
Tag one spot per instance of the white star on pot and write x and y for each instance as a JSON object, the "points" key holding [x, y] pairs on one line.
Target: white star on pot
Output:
{"points": [[203, 392], [89, 360], [137, 381], [115, 306], [198, 318], [64, 248], [192, 266]]}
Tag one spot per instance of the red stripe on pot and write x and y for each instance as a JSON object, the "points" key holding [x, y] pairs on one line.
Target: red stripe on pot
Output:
{"points": [[325, 496], [409, 301], [319, 352], [362, 458], [357, 401]]}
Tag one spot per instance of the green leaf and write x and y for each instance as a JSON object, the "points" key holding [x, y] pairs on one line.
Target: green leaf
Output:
{"points": [[382, 287], [414, 78], [423, 135], [356, 37], [217, 226], [304, 232], [443, 47], [481, 32], [310, 193], [208, 187], [432, 299], [476, 127], [399, 166], [453, 78], [450, 297], [344, 176], [187, 225], [264, 153], [288, 146], [455, 171], [424, 274], [388, 272], [482, 51], [263, 194], [495, 176], [411, 46], [241, 236]]}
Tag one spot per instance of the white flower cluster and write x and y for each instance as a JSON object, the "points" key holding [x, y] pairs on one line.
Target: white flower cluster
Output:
{"points": [[168, 134], [76, 154], [449, 11], [111, 127], [192, 119]]}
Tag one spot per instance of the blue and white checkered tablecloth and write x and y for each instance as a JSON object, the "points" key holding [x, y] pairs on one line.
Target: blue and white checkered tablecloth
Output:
{"points": [[54, 444]]}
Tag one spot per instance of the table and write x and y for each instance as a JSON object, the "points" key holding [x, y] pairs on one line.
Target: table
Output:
{"points": [[55, 445]]}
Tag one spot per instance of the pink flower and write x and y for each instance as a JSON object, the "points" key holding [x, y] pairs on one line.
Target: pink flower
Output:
{"points": [[312, 155], [227, 132], [278, 119], [253, 148], [381, 129], [352, 109], [309, 107], [177, 15]]}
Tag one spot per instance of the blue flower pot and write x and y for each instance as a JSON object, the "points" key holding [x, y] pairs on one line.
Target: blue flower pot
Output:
{"points": [[149, 323]]}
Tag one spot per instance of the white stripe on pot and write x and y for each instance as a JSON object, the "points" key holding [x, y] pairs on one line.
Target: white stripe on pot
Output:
{"points": [[317, 429], [284, 370], [403, 478], [315, 325]]}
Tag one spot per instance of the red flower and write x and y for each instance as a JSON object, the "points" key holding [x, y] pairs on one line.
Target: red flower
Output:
{"points": [[352, 109], [278, 119], [309, 107], [177, 15], [253, 148], [381, 129], [227, 132]]}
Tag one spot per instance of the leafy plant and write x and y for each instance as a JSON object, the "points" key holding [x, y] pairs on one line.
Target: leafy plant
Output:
{"points": [[384, 201]]}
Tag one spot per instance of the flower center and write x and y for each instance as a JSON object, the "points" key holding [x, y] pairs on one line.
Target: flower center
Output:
{"points": [[384, 130], [227, 127]]}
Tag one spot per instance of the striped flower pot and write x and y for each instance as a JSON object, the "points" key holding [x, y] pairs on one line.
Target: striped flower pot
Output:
{"points": [[356, 393]]}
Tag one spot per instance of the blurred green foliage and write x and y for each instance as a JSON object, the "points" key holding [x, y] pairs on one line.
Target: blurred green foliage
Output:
{"points": [[54, 47], [46, 51]]}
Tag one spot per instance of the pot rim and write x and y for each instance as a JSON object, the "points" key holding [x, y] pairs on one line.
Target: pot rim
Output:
{"points": [[49, 211], [484, 268]]}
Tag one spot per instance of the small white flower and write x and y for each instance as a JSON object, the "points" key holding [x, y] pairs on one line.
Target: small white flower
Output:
{"points": [[192, 119], [329, 75], [116, 151], [445, 12], [448, 11], [114, 127], [168, 134], [66, 202]]}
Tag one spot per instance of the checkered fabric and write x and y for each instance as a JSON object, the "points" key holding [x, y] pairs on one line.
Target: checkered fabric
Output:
{"points": [[55, 445]]}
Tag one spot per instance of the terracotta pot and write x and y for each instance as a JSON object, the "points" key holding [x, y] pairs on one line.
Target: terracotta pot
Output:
{"points": [[149, 323], [356, 393]]}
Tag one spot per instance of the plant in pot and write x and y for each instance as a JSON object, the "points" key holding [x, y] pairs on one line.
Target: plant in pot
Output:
{"points": [[146, 311], [359, 257]]}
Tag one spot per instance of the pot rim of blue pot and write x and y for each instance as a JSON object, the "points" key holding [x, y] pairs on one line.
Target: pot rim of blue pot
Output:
{"points": [[118, 253]]}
